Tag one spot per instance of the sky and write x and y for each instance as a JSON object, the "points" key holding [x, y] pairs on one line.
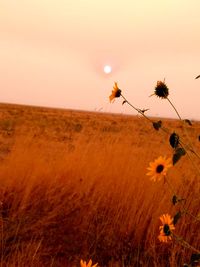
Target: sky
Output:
{"points": [[52, 53]]}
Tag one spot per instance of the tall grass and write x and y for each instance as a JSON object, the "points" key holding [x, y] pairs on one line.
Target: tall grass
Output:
{"points": [[59, 205]]}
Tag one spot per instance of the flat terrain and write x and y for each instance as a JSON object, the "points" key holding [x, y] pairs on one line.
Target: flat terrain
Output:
{"points": [[73, 186]]}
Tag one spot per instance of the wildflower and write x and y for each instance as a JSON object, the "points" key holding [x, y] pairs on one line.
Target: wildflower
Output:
{"points": [[84, 264], [159, 168], [116, 92], [166, 229], [161, 90]]}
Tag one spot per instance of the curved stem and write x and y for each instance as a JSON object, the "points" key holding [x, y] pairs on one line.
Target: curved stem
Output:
{"points": [[170, 185], [174, 108], [137, 109], [185, 243], [190, 214], [142, 113]]}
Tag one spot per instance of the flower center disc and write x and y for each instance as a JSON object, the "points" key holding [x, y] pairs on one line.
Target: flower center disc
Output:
{"points": [[166, 230], [159, 168]]}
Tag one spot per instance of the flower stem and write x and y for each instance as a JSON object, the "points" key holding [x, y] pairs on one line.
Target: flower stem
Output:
{"points": [[174, 108], [137, 109], [185, 243], [142, 113], [182, 205], [170, 186]]}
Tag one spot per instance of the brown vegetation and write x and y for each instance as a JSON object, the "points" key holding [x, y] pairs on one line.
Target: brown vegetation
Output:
{"points": [[74, 185]]}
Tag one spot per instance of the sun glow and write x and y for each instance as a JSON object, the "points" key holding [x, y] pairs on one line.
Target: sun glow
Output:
{"points": [[107, 69]]}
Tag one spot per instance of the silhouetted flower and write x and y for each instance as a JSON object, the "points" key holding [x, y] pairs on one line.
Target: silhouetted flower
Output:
{"points": [[166, 229], [116, 92], [161, 90], [159, 168], [84, 264]]}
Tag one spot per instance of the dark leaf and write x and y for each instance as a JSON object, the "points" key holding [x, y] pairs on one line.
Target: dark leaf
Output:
{"points": [[177, 216], [195, 258], [157, 125], [176, 158], [197, 77], [174, 200], [124, 102], [179, 152], [174, 140], [188, 122], [144, 110]]}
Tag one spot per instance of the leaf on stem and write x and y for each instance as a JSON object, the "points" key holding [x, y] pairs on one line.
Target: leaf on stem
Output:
{"points": [[177, 216], [144, 110], [174, 140], [179, 152], [157, 125], [174, 200], [188, 122], [124, 102]]}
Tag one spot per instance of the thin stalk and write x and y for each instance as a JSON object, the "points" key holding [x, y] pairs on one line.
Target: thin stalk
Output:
{"points": [[181, 204], [174, 108], [185, 243], [142, 113], [194, 217], [137, 109], [170, 186]]}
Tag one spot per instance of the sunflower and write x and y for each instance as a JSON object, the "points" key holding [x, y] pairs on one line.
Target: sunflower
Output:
{"points": [[159, 168], [166, 229], [161, 90], [116, 92], [84, 264]]}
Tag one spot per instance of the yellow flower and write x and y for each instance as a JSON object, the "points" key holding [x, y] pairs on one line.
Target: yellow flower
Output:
{"points": [[166, 229], [158, 169], [84, 264], [116, 92]]}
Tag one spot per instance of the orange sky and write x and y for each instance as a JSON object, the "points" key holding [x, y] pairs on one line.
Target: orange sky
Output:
{"points": [[52, 53]]}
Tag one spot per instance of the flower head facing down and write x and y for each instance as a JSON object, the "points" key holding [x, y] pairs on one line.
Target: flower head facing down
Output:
{"points": [[116, 92], [158, 169], [166, 228], [161, 90], [84, 264]]}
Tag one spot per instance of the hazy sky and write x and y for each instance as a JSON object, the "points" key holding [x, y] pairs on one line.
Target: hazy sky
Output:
{"points": [[52, 53]]}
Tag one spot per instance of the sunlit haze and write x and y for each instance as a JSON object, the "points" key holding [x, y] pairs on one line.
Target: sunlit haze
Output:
{"points": [[54, 52]]}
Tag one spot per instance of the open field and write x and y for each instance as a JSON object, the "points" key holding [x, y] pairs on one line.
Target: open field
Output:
{"points": [[74, 186]]}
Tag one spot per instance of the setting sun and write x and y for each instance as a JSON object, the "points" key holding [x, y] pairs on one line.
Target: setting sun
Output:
{"points": [[107, 69]]}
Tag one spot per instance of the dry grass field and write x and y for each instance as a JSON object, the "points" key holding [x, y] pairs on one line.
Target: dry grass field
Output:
{"points": [[73, 186]]}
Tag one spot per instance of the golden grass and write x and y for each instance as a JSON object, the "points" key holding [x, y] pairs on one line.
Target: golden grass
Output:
{"points": [[74, 186]]}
